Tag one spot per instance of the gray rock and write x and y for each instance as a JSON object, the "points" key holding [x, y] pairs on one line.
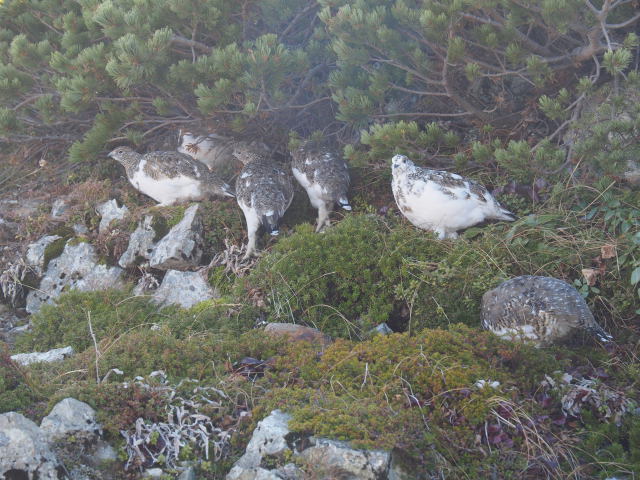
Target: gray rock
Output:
{"points": [[153, 472], [12, 324], [140, 243], [382, 329], [268, 439], [181, 248], [109, 211], [77, 268], [55, 355], [188, 474], [257, 473], [35, 252], [184, 288], [104, 452], [71, 417], [334, 459], [25, 451], [322, 458], [80, 229], [59, 208]]}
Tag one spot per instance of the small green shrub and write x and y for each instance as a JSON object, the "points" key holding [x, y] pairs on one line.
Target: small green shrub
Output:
{"points": [[15, 392], [66, 322], [367, 270], [113, 313], [222, 219]]}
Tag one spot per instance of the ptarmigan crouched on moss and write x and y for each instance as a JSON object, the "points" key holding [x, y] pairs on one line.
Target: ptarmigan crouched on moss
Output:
{"points": [[325, 177], [264, 192], [169, 177], [440, 201], [542, 310]]}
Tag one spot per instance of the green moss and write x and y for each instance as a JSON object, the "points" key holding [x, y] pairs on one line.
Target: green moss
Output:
{"points": [[54, 250], [173, 215], [367, 270], [418, 394], [165, 218], [78, 240], [114, 312], [205, 357], [63, 231]]}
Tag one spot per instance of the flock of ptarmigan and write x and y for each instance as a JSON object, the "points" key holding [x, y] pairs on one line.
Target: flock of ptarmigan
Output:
{"points": [[541, 310]]}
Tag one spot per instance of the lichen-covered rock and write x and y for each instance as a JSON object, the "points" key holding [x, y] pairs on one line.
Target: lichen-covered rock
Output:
{"points": [[55, 355], [268, 439], [333, 459], [24, 450], [109, 211], [140, 243], [35, 253], [59, 208], [272, 445], [77, 268], [71, 417], [181, 248], [184, 288], [188, 474]]}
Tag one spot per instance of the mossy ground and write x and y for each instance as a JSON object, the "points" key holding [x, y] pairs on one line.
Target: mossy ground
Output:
{"points": [[413, 391]]}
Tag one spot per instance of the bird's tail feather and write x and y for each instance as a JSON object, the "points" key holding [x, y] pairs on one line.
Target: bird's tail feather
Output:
{"points": [[228, 190], [344, 203], [270, 223], [599, 332], [504, 214]]}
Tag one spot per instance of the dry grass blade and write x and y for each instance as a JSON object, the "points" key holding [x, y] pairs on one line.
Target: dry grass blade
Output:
{"points": [[231, 259], [541, 454]]}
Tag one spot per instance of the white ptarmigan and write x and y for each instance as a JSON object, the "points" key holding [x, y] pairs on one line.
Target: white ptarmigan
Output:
{"points": [[212, 149], [264, 192], [542, 310], [440, 201], [325, 177], [169, 177]]}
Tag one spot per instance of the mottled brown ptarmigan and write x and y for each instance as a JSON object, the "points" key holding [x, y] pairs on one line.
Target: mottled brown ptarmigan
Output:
{"points": [[169, 177], [264, 191], [324, 175], [440, 201], [542, 310]]}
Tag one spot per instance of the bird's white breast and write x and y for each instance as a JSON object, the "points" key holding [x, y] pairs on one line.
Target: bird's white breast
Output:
{"points": [[315, 191], [520, 332], [166, 190], [427, 205]]}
